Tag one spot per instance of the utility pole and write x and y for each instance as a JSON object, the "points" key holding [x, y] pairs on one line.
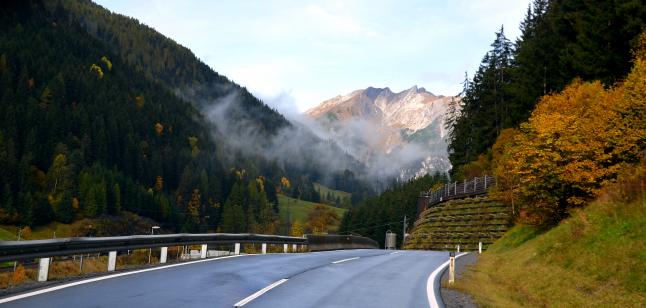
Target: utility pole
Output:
{"points": [[404, 231]]}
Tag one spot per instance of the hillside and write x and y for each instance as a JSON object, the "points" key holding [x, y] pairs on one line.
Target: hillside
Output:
{"points": [[595, 258], [239, 122], [294, 210], [333, 196], [574, 174], [95, 121], [560, 41]]}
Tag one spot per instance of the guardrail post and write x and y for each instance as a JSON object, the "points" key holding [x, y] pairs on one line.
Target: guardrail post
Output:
{"points": [[264, 248], [294, 248], [480, 247], [458, 248], [43, 269], [112, 261], [203, 254], [236, 250], [285, 248], [163, 255]]}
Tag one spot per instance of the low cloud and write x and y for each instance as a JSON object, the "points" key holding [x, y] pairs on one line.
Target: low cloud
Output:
{"points": [[306, 145]]}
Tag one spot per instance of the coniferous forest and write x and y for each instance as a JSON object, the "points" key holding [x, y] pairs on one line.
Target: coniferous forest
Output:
{"points": [[101, 115], [559, 41]]}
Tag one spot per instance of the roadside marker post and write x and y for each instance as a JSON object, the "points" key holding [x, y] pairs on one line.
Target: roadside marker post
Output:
{"points": [[237, 249], [163, 255], [285, 248], [451, 268], [479, 247], [264, 248], [43, 269], [112, 261], [203, 252], [458, 248]]}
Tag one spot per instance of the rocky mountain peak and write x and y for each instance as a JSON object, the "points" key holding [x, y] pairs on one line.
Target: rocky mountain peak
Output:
{"points": [[389, 122]]}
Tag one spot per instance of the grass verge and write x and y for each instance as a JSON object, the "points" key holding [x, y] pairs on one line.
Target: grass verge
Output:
{"points": [[595, 258]]}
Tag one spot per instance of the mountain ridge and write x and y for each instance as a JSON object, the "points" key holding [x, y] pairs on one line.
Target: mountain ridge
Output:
{"points": [[409, 126]]}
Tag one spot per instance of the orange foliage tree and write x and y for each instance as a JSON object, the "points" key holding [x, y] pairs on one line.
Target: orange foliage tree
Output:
{"points": [[575, 142], [320, 217]]}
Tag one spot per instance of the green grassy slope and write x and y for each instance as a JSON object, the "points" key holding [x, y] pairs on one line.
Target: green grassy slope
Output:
{"points": [[298, 209], [595, 258], [323, 191], [6, 234]]}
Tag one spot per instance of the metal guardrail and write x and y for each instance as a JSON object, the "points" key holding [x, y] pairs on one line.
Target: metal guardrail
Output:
{"points": [[45, 249], [22, 250], [336, 242], [478, 186]]}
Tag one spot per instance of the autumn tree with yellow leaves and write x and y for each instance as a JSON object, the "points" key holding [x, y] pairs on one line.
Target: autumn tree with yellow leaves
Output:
{"points": [[575, 142]]}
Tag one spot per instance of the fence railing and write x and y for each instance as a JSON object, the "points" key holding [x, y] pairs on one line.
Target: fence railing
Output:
{"points": [[45, 249], [457, 190]]}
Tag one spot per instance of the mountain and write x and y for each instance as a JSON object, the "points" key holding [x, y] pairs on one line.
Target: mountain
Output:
{"points": [[399, 134], [100, 114]]}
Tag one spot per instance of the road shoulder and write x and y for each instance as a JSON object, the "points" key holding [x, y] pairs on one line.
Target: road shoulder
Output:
{"points": [[453, 298]]}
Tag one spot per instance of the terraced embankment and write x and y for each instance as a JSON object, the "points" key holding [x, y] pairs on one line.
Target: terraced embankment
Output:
{"points": [[464, 222]]}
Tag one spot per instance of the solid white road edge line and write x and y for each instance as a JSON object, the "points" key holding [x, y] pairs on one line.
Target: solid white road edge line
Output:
{"points": [[344, 260], [430, 283], [257, 294], [76, 283]]}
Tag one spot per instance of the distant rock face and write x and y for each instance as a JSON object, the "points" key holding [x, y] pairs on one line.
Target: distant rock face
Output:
{"points": [[402, 133]]}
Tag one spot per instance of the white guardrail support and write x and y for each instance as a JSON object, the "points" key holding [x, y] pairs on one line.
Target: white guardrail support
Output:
{"points": [[112, 261], [163, 255], [294, 248], [203, 251], [43, 269], [285, 248], [264, 248], [237, 249]]}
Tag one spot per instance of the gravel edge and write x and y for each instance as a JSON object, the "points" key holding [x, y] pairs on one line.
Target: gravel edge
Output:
{"points": [[453, 298]]}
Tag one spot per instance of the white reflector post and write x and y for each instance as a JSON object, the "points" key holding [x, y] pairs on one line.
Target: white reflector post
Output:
{"points": [[43, 269], [112, 261], [203, 252], [164, 255]]}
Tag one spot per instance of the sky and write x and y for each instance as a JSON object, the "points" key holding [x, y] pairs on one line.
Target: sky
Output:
{"points": [[294, 54]]}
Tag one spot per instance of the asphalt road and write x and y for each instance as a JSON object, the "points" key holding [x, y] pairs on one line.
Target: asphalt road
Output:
{"points": [[362, 278]]}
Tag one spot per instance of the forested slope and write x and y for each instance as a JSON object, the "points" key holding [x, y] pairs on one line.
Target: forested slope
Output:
{"points": [[97, 118], [559, 41]]}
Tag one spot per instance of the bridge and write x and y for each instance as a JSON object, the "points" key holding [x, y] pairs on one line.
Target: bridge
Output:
{"points": [[309, 271]]}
